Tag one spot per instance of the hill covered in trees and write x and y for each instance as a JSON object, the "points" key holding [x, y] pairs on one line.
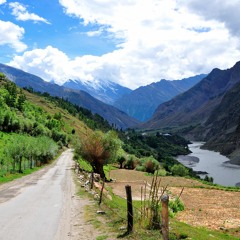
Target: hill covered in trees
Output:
{"points": [[35, 126]]}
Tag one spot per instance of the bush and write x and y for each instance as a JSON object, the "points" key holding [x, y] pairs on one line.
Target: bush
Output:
{"points": [[175, 206], [131, 163], [179, 170], [148, 164], [140, 168]]}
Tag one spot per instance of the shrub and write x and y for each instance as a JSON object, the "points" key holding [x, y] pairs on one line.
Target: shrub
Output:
{"points": [[179, 170], [140, 168], [148, 164], [131, 163], [175, 206]]}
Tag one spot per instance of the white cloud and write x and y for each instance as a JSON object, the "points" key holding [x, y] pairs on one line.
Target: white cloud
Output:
{"points": [[48, 63], [226, 12], [11, 35], [21, 13], [2, 1], [158, 39]]}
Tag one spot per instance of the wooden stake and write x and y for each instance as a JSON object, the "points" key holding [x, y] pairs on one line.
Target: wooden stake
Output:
{"points": [[129, 208], [165, 227]]}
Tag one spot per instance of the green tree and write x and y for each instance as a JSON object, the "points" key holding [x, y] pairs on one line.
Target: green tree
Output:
{"points": [[99, 149], [21, 100], [12, 96], [121, 160], [2, 76]]}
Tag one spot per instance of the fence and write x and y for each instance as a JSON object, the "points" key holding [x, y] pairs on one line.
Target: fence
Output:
{"points": [[151, 214]]}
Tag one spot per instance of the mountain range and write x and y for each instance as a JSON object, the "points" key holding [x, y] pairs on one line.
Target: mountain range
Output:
{"points": [[209, 112], [105, 91], [81, 98], [142, 102]]}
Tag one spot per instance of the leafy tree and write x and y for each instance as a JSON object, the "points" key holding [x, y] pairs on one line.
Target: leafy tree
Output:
{"points": [[208, 179], [16, 149], [121, 160], [21, 100], [99, 149], [2, 77], [12, 96]]}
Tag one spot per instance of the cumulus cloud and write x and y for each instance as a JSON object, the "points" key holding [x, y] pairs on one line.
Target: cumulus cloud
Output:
{"points": [[154, 40], [11, 35], [48, 63], [226, 12], [21, 13], [2, 1]]}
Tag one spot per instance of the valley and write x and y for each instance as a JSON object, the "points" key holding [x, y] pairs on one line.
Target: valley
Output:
{"points": [[29, 116], [119, 120]]}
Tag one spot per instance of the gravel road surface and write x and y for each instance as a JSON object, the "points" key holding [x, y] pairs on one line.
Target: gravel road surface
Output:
{"points": [[43, 205]]}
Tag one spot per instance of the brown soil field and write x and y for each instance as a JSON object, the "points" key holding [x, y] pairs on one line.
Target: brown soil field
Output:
{"points": [[210, 208]]}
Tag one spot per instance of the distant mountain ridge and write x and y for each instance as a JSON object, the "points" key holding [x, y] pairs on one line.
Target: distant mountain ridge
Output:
{"points": [[195, 105], [105, 91], [222, 129], [209, 111], [78, 97], [142, 102]]}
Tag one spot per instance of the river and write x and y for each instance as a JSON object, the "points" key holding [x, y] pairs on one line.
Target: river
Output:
{"points": [[213, 163]]}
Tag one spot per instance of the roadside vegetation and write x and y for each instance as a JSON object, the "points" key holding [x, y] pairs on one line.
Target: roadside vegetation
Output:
{"points": [[115, 217], [35, 127]]}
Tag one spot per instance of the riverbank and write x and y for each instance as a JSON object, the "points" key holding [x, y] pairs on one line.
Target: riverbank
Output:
{"points": [[212, 164], [234, 157], [190, 162]]}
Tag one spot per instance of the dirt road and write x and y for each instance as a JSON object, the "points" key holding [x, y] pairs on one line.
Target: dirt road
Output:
{"points": [[43, 205]]}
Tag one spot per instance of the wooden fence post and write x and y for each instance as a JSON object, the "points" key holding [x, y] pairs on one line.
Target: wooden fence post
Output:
{"points": [[101, 193], [165, 227], [92, 179], [129, 208]]}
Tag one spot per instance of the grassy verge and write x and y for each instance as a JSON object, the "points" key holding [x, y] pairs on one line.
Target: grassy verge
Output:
{"points": [[114, 223], [11, 176], [184, 231]]}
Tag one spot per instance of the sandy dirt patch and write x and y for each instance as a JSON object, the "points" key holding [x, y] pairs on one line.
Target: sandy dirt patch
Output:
{"points": [[214, 209]]}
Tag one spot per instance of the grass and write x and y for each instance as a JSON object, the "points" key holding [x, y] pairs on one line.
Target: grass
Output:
{"points": [[115, 219], [117, 212], [102, 237], [71, 122], [182, 231], [84, 165], [11, 176]]}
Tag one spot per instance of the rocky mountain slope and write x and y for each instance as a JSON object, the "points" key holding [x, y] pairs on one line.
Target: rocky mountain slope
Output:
{"points": [[210, 112], [194, 106], [142, 102], [223, 126], [80, 98]]}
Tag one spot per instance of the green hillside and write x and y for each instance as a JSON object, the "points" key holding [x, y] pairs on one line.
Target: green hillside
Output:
{"points": [[34, 127]]}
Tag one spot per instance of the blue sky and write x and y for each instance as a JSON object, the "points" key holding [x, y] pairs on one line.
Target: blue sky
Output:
{"points": [[131, 42], [55, 29]]}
